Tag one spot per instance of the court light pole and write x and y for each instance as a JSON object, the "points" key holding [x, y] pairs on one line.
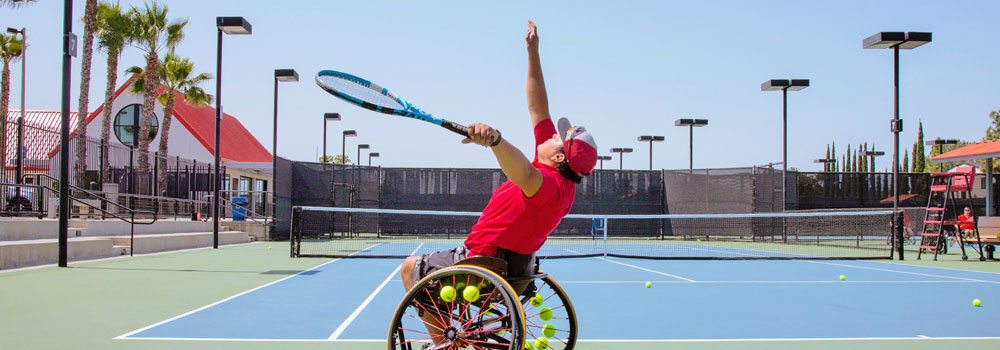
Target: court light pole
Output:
{"points": [[69, 51], [232, 26], [326, 118], [19, 154], [784, 85], [283, 75], [370, 155], [650, 139], [361, 147], [343, 145], [691, 124], [940, 143], [896, 41], [621, 152], [602, 159]]}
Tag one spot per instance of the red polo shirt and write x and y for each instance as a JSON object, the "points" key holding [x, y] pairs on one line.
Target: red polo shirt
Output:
{"points": [[515, 222]]}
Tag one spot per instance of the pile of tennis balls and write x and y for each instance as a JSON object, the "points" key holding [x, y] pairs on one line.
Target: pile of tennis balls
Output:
{"points": [[469, 293]]}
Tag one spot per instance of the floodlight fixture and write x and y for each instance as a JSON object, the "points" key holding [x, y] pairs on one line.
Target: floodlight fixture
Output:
{"points": [[287, 75], [233, 25]]}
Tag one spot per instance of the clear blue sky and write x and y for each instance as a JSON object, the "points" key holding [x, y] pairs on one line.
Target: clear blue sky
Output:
{"points": [[621, 68]]}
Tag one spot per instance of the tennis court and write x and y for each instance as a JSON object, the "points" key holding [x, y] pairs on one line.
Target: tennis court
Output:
{"points": [[250, 296]]}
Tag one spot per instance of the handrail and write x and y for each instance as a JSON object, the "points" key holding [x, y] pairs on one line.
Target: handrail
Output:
{"points": [[102, 199], [253, 216]]}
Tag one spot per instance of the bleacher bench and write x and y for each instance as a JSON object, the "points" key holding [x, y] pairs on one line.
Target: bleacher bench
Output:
{"points": [[989, 228]]}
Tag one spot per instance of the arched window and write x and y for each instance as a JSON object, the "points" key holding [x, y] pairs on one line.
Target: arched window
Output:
{"points": [[125, 122]]}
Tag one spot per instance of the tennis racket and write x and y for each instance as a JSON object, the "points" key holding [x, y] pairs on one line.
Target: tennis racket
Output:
{"points": [[365, 94]]}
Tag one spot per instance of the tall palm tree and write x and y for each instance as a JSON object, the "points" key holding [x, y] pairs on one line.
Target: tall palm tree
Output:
{"points": [[175, 74], [89, 20], [15, 3], [113, 29], [151, 33], [11, 49]]}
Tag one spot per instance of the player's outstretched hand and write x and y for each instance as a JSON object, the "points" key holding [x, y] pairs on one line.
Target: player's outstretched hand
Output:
{"points": [[481, 134], [532, 37]]}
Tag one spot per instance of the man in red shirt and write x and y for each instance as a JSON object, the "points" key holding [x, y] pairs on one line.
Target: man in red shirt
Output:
{"points": [[967, 227], [524, 210]]}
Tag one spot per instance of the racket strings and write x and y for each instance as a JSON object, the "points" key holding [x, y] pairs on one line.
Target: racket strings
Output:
{"points": [[361, 90]]}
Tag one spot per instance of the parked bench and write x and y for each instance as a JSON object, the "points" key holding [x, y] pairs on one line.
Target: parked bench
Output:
{"points": [[989, 229]]}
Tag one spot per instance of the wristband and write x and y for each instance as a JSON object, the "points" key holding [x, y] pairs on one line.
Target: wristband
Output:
{"points": [[497, 141]]}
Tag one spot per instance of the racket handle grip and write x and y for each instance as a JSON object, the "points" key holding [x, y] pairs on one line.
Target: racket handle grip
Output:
{"points": [[462, 130]]}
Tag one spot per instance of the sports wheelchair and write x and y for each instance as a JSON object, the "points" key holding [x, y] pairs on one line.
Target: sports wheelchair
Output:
{"points": [[499, 312]]}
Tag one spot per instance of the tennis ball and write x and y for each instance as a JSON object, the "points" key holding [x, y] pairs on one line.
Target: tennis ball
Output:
{"points": [[460, 286], [549, 330], [541, 343], [448, 293], [649, 284], [699, 241], [842, 277], [545, 314], [537, 300], [470, 293], [977, 303], [269, 247], [529, 346]]}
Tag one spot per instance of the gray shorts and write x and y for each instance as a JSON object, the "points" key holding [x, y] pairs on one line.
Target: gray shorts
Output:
{"points": [[427, 263]]}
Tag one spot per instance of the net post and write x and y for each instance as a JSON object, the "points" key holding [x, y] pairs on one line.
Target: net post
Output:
{"points": [[607, 224], [296, 230]]}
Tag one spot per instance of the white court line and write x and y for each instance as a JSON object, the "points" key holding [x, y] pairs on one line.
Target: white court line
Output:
{"points": [[755, 282], [918, 337], [129, 334], [637, 267], [932, 267], [347, 322], [897, 271]]}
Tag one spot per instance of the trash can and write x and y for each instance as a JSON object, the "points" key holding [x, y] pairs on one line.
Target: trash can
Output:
{"points": [[240, 208]]}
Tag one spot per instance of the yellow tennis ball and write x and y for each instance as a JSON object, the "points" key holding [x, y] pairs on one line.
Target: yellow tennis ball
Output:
{"points": [[549, 330], [649, 284], [527, 345], [537, 300], [842, 277], [699, 241], [460, 286], [541, 343], [448, 293], [977, 303], [268, 247], [545, 314], [470, 293]]}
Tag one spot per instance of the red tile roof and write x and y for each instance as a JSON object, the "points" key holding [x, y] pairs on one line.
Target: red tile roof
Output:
{"points": [[978, 150], [238, 144]]}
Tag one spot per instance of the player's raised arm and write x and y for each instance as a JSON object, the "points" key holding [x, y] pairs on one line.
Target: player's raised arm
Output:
{"points": [[538, 101]]}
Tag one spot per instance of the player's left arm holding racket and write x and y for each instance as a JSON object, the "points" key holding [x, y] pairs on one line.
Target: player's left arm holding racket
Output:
{"points": [[514, 164]]}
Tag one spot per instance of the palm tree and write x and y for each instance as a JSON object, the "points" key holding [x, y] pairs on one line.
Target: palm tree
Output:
{"points": [[15, 3], [10, 50], [175, 74], [89, 19], [113, 29], [151, 33]]}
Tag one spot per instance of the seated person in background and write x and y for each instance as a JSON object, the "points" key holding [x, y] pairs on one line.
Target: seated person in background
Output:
{"points": [[967, 228]]}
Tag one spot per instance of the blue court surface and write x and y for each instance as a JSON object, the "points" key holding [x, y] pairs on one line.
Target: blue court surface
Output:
{"points": [[346, 300]]}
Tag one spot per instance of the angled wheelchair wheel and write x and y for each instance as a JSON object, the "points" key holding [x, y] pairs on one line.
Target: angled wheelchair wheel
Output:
{"points": [[553, 318], [426, 318]]}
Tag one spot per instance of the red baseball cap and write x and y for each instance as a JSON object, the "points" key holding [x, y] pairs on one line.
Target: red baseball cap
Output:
{"points": [[579, 147]]}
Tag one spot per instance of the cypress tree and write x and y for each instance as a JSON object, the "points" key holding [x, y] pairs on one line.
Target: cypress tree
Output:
{"points": [[906, 160], [919, 155], [826, 166], [833, 152]]}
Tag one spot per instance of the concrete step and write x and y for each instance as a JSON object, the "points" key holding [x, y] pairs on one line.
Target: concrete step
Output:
{"points": [[26, 228], [151, 243], [24, 253], [121, 250]]}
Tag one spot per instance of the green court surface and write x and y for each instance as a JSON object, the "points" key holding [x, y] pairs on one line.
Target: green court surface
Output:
{"points": [[89, 304]]}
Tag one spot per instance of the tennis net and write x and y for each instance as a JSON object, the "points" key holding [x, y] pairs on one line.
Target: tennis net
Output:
{"points": [[391, 233]]}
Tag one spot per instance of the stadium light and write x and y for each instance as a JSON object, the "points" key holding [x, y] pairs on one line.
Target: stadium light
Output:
{"points": [[343, 145], [651, 139], [361, 147], [602, 159], [784, 85], [825, 161], [873, 154], [327, 117], [621, 152], [20, 153], [896, 41], [691, 124], [370, 155], [940, 143], [235, 26]]}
